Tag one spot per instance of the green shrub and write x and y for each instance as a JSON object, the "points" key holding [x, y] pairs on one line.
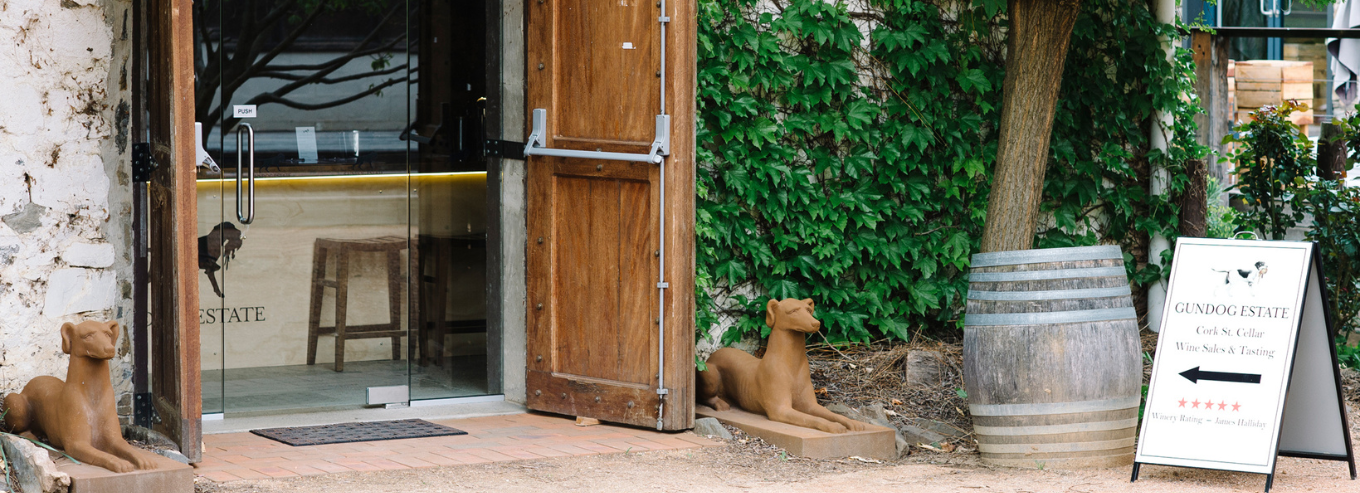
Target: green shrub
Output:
{"points": [[1273, 162], [1276, 168], [1222, 218], [845, 152]]}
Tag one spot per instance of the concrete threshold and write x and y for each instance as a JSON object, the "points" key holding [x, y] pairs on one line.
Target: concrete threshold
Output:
{"points": [[457, 408]]}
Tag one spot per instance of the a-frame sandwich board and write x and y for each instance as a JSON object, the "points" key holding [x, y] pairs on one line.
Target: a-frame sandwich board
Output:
{"points": [[1245, 369]]}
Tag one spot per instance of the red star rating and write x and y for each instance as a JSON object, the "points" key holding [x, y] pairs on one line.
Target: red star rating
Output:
{"points": [[1209, 405]]}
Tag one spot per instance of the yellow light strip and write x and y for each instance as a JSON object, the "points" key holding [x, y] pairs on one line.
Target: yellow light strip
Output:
{"points": [[348, 177]]}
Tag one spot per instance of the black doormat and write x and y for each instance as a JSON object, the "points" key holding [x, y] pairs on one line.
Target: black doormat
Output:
{"points": [[357, 432]]}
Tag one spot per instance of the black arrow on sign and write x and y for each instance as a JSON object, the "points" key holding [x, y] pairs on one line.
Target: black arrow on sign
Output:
{"points": [[1195, 375]]}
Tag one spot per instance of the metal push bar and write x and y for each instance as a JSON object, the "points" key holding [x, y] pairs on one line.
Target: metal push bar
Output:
{"points": [[661, 146]]}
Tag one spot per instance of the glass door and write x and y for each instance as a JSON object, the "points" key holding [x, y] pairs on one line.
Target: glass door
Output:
{"points": [[343, 242]]}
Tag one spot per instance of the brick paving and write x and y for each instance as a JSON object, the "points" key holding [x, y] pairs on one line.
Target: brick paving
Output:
{"points": [[236, 456]]}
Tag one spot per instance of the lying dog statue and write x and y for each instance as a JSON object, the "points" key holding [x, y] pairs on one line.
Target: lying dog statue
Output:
{"points": [[778, 385], [79, 415]]}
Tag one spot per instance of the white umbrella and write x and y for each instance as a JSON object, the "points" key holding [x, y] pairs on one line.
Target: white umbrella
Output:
{"points": [[1346, 67], [1345, 56]]}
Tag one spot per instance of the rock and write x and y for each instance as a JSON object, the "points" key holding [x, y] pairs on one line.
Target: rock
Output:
{"points": [[89, 255], [7, 252], [176, 456], [841, 409], [938, 427], [876, 413], [79, 290], [34, 470], [915, 434], [26, 220], [925, 368], [710, 427]]}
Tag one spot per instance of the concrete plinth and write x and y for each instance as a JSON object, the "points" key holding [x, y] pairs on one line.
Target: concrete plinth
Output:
{"points": [[169, 476], [877, 442]]}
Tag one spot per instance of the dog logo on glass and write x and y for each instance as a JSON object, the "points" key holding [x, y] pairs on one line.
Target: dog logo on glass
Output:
{"points": [[220, 244], [1239, 281]]}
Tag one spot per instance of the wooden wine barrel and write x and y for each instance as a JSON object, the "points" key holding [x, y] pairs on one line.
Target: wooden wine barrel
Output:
{"points": [[1052, 360]]}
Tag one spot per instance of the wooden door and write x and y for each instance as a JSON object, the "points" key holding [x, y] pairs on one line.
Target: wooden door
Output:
{"points": [[172, 216], [593, 237]]}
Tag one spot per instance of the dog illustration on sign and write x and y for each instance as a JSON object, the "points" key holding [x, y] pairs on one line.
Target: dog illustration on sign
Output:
{"points": [[79, 415], [779, 385], [1232, 282]]}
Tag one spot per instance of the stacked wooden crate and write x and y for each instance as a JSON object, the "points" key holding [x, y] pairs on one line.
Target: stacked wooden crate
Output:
{"points": [[1256, 83], [1312, 51]]}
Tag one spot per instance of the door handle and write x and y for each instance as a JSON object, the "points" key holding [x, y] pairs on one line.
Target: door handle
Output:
{"points": [[201, 156], [1269, 11], [1287, 10], [248, 216]]}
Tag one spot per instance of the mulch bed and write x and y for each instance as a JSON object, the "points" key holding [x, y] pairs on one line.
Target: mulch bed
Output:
{"points": [[858, 376]]}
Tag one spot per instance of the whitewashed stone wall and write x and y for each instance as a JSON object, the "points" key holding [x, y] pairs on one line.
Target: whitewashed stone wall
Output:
{"points": [[65, 182]]}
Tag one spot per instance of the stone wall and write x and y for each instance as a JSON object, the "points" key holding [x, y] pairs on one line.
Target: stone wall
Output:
{"points": [[65, 182]]}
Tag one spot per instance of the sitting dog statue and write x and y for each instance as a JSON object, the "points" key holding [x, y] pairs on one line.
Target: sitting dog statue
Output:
{"points": [[778, 385], [78, 415]]}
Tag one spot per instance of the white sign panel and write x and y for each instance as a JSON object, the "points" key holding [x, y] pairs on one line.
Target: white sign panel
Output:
{"points": [[1226, 355], [306, 142], [243, 111], [1311, 421]]}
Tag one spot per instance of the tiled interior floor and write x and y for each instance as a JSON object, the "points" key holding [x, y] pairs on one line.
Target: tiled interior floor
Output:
{"points": [[234, 456], [318, 387]]}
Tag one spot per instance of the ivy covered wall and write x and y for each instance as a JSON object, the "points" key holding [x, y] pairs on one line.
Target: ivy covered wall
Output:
{"points": [[846, 149]]}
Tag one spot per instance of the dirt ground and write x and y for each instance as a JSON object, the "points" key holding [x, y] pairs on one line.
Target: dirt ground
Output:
{"points": [[748, 464], [735, 468]]}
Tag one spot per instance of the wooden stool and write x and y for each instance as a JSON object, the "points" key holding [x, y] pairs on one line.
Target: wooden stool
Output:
{"points": [[340, 249]]}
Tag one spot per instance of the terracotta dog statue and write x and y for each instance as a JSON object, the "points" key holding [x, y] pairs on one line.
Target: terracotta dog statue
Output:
{"points": [[78, 415], [778, 385]]}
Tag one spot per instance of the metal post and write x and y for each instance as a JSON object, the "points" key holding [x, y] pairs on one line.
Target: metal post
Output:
{"points": [[1162, 125], [661, 284]]}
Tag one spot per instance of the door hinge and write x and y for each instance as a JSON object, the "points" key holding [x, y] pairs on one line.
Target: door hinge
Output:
{"points": [[143, 411], [142, 164], [507, 149]]}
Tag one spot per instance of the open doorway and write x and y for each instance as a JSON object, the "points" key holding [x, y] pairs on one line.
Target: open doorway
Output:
{"points": [[343, 231]]}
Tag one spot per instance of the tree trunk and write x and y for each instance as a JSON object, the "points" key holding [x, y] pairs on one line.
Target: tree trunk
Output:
{"points": [[1331, 153], [1194, 206], [1040, 31]]}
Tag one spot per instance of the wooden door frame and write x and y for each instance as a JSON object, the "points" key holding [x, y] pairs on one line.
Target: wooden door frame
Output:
{"points": [[682, 95], [678, 212], [168, 101]]}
